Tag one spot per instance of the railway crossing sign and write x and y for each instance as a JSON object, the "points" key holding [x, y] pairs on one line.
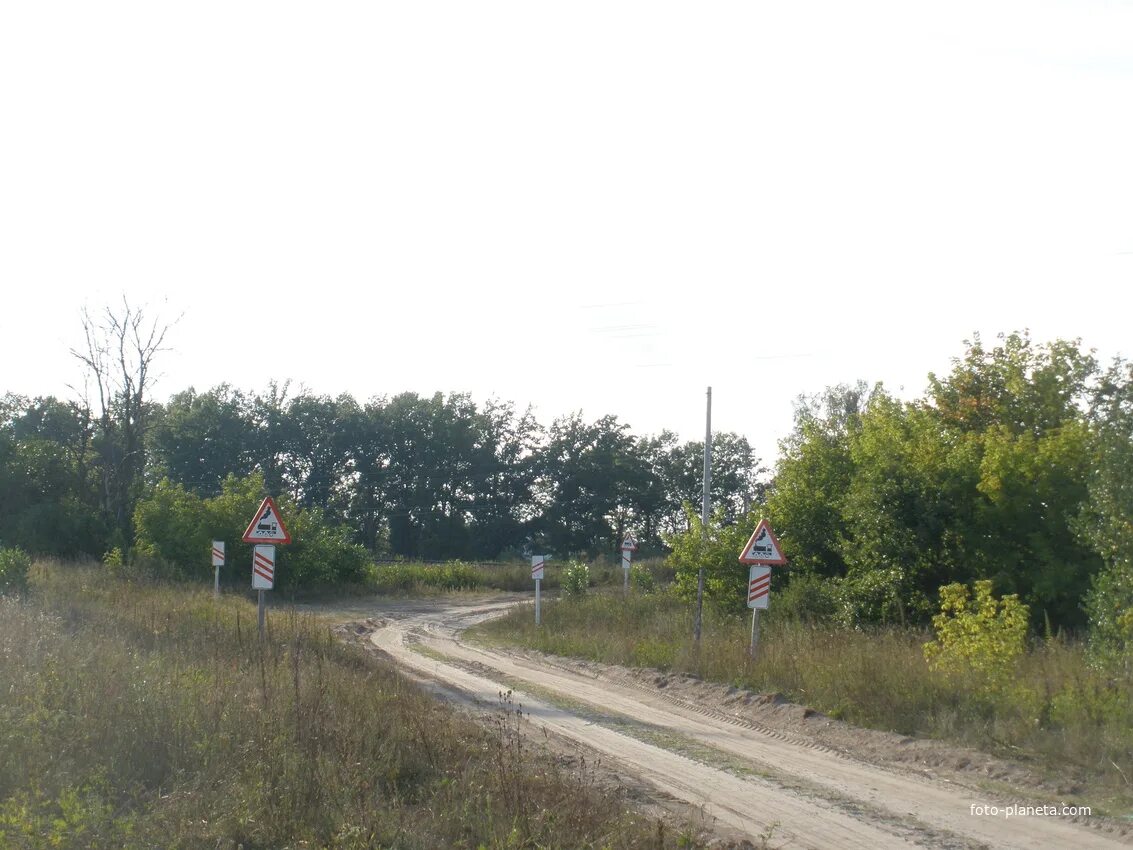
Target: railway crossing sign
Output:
{"points": [[263, 568], [537, 566], [267, 525], [762, 551], [763, 547], [629, 544], [759, 587]]}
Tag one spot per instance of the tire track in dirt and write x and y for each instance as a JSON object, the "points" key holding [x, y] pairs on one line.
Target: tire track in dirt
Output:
{"points": [[750, 805], [943, 807]]}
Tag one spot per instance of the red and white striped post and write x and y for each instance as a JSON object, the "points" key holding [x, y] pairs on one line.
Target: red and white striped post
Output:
{"points": [[217, 562], [758, 599], [263, 578]]}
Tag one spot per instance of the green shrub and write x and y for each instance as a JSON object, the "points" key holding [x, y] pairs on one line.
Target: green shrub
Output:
{"points": [[175, 528], [978, 634], [642, 579], [879, 596], [412, 577], [576, 579], [1109, 605], [718, 552], [14, 567], [806, 597]]}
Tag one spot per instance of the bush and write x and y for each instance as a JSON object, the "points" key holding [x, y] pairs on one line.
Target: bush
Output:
{"points": [[642, 579], [979, 635], [14, 567], [175, 528], [413, 578], [880, 596], [808, 598], [576, 579], [725, 578], [1109, 605]]}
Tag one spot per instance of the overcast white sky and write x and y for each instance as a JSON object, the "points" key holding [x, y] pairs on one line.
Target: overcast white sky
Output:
{"points": [[604, 206]]}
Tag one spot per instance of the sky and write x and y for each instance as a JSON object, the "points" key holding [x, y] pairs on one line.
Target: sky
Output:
{"points": [[597, 206]]}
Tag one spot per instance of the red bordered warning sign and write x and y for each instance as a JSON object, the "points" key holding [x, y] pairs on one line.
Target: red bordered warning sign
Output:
{"points": [[763, 547], [267, 525]]}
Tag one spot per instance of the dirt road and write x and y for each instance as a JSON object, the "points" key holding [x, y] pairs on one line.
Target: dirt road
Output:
{"points": [[752, 780]]}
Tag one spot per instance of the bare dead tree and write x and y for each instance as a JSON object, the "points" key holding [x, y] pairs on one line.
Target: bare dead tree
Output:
{"points": [[120, 347]]}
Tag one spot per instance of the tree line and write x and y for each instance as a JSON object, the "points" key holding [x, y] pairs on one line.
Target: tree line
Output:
{"points": [[412, 476], [1016, 467]]}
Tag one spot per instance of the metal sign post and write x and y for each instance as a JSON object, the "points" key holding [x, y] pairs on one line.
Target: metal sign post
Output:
{"points": [[266, 528], [762, 552], [537, 574], [217, 562]]}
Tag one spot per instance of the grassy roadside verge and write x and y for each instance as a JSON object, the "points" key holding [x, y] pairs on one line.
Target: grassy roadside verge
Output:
{"points": [[136, 715], [1060, 715]]}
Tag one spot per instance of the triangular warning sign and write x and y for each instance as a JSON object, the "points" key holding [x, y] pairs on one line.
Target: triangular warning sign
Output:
{"points": [[763, 548], [267, 526]]}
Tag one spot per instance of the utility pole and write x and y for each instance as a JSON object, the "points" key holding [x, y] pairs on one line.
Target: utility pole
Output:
{"points": [[705, 507]]}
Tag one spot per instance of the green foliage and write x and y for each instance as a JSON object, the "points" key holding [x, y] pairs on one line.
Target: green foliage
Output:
{"points": [[984, 479], [14, 567], [114, 559], [641, 578], [411, 577], [176, 526], [806, 597], [725, 578], [576, 579], [1105, 521], [884, 595], [1109, 605], [978, 634]]}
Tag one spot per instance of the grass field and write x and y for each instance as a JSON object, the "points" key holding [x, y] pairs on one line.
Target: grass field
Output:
{"points": [[135, 715], [1059, 713], [412, 578]]}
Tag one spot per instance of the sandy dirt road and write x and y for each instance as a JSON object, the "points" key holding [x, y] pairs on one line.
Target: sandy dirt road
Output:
{"points": [[753, 781]]}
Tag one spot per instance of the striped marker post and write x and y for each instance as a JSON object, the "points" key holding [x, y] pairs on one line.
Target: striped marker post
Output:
{"points": [[217, 562], [263, 578], [758, 599], [537, 563]]}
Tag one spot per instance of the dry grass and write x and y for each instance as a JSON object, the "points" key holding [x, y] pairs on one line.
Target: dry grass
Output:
{"points": [[136, 715], [1059, 713]]}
